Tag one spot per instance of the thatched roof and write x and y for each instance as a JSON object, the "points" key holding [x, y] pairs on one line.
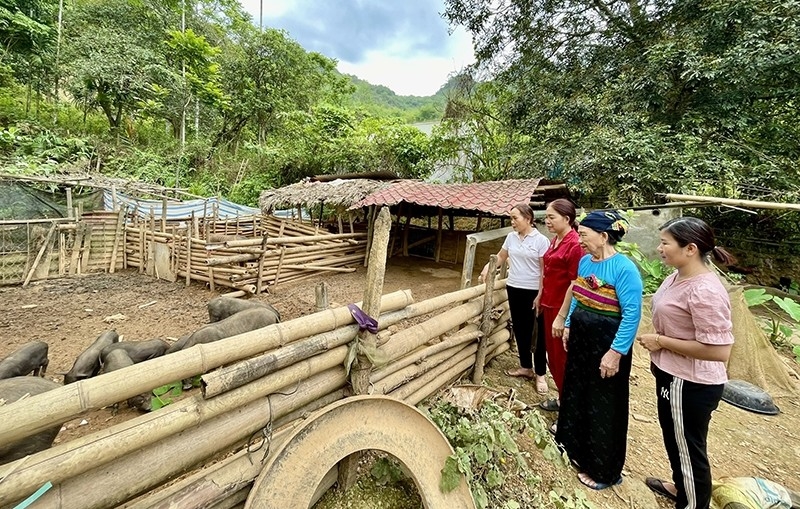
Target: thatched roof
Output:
{"points": [[337, 193]]}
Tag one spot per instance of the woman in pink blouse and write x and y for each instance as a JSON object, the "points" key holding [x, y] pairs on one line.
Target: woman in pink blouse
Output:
{"points": [[688, 351]]}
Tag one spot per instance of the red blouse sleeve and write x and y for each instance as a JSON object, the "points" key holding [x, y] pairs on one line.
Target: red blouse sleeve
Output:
{"points": [[573, 257]]}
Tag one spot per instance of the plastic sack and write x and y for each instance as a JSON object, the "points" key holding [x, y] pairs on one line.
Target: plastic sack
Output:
{"points": [[749, 493]]}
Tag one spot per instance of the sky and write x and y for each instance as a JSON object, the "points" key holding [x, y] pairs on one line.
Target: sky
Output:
{"points": [[401, 44]]}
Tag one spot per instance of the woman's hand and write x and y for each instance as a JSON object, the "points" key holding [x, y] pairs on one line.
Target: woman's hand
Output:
{"points": [[609, 364], [565, 338], [651, 342], [536, 302], [485, 271], [558, 326]]}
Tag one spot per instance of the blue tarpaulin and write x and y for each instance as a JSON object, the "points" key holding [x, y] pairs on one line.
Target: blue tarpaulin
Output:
{"points": [[180, 210]]}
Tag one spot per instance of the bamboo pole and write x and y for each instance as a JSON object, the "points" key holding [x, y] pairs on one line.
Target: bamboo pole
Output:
{"points": [[39, 255], [411, 338], [294, 240], [439, 236], [465, 335], [465, 358], [167, 458], [25, 418], [736, 203], [77, 241], [414, 370], [70, 212], [241, 373], [260, 281], [486, 320], [447, 377], [280, 265]]}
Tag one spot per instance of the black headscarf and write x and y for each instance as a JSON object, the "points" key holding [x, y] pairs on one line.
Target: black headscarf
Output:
{"points": [[607, 221]]}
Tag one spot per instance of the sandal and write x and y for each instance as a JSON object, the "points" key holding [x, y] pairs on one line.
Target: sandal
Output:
{"points": [[590, 483], [541, 384], [519, 372], [550, 405], [657, 486]]}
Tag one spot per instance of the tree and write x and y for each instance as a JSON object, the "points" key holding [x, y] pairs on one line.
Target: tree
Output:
{"points": [[627, 99], [113, 55]]}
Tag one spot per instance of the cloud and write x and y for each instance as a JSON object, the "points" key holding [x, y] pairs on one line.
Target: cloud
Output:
{"points": [[348, 29], [403, 44]]}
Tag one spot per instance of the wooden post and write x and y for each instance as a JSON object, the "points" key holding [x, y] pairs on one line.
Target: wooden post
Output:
{"points": [[86, 250], [41, 253], [164, 214], [321, 294], [189, 235], [114, 204], [117, 235], [62, 254], [70, 212], [260, 278], [350, 219], [406, 230], [361, 368], [469, 262], [486, 321], [439, 236], [142, 227], [280, 265], [76, 247], [370, 231], [341, 225]]}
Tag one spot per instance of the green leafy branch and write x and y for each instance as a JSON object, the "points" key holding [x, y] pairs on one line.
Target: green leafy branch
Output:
{"points": [[780, 330], [486, 453]]}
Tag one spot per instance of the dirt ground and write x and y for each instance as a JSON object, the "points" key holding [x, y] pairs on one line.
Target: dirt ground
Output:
{"points": [[70, 313]]}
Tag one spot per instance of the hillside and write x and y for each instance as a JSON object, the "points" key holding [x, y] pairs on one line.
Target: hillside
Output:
{"points": [[382, 101]]}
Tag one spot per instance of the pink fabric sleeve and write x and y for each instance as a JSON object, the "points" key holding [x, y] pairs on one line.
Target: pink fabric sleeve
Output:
{"points": [[711, 314]]}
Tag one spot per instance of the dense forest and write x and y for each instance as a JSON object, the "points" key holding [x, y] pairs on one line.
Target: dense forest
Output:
{"points": [[623, 100], [190, 94]]}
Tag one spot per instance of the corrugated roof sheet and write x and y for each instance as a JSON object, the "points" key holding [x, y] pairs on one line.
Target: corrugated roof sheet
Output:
{"points": [[494, 198]]}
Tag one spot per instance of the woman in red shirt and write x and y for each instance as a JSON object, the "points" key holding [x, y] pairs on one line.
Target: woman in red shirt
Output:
{"points": [[560, 269]]}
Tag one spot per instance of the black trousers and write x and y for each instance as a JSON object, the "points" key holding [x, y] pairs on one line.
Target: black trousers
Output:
{"points": [[520, 303], [684, 413], [539, 349]]}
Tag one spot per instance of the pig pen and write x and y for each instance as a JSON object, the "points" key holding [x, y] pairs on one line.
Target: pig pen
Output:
{"points": [[95, 300]]}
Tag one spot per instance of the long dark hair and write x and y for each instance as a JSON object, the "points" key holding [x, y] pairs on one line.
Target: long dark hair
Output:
{"points": [[565, 208], [691, 230], [525, 210]]}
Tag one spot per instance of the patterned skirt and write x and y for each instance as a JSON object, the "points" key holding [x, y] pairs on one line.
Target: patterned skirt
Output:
{"points": [[593, 419]]}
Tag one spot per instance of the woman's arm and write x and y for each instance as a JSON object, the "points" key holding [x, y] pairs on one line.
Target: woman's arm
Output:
{"points": [[502, 256], [687, 348], [541, 286]]}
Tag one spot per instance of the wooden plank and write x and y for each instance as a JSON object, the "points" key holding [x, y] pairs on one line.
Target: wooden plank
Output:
{"points": [[39, 256], [117, 234]]}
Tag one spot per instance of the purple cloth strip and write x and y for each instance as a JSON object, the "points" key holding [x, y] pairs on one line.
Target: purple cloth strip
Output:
{"points": [[365, 322]]}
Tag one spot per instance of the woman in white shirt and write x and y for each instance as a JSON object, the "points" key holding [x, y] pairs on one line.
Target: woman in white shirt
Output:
{"points": [[524, 249]]}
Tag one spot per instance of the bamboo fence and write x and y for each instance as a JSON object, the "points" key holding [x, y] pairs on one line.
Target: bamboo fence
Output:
{"points": [[272, 377], [246, 254], [32, 250]]}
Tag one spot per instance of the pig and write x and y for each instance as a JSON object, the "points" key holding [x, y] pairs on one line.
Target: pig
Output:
{"points": [[138, 351], [222, 307], [243, 321], [88, 362], [178, 345], [31, 358], [13, 389], [117, 359]]}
